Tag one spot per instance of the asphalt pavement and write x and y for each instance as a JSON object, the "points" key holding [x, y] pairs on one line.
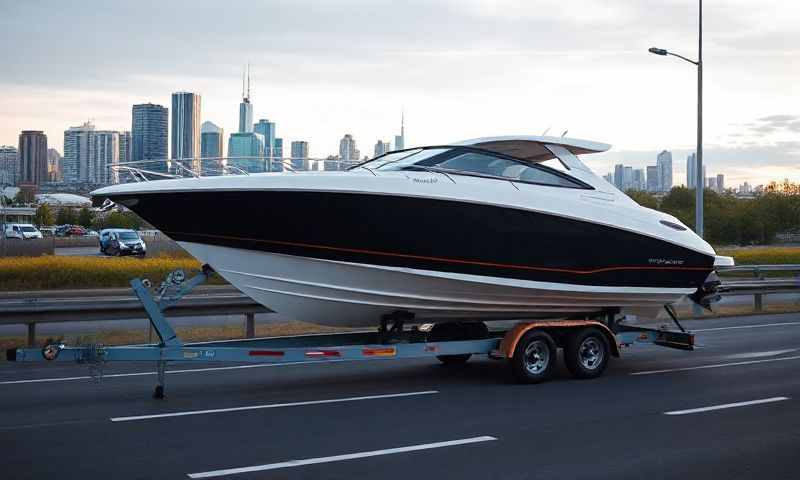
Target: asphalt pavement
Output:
{"points": [[730, 409]]}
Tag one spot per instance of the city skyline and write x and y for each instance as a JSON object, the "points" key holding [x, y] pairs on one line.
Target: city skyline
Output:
{"points": [[594, 79]]}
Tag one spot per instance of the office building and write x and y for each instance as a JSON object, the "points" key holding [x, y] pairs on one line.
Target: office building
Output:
{"points": [[9, 165], [246, 152], [245, 107], [711, 183], [400, 140], [638, 183], [619, 173], [32, 158], [347, 149], [267, 130], [382, 147], [609, 177], [300, 155], [149, 136], [125, 143], [54, 164], [664, 164], [691, 171], [105, 155], [277, 155], [186, 129], [79, 154], [652, 178], [211, 149], [720, 182]]}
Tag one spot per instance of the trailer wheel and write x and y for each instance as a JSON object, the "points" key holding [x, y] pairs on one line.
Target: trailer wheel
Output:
{"points": [[534, 357], [586, 353]]}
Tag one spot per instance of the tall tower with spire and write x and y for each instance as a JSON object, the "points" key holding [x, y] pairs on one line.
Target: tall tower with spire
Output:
{"points": [[246, 108], [400, 140]]}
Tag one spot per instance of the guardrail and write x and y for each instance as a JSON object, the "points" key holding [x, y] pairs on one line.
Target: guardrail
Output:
{"points": [[34, 307]]}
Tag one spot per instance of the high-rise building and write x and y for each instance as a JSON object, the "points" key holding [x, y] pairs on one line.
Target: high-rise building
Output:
{"points": [[54, 163], [300, 155], [347, 149], [9, 165], [267, 130], [720, 182], [125, 143], [609, 177], [149, 135], [211, 145], [79, 153], [106, 154], [711, 183], [627, 178], [652, 178], [400, 140], [32, 158], [245, 107], [186, 129], [691, 171], [664, 164], [638, 182], [619, 172], [246, 151], [382, 147], [277, 155]]}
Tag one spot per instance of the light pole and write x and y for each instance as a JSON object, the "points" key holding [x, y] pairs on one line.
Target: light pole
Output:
{"points": [[700, 181]]}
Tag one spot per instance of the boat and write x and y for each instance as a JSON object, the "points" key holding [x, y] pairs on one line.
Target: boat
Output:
{"points": [[496, 228]]}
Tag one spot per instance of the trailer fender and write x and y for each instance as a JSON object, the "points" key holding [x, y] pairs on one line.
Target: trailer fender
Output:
{"points": [[512, 337]]}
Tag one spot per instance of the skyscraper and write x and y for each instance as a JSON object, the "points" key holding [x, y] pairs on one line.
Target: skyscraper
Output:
{"points": [[32, 158], [400, 140], [54, 163], [639, 183], [277, 154], [382, 147], [691, 171], [211, 138], [186, 129], [246, 151], [300, 155], [149, 135], [720, 183], [627, 178], [347, 149], [267, 130], [125, 153], [9, 165], [664, 164], [79, 153], [652, 178], [106, 154], [619, 172], [246, 108]]}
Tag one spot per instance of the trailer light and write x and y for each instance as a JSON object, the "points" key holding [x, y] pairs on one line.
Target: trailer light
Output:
{"points": [[323, 353], [265, 353], [379, 352]]}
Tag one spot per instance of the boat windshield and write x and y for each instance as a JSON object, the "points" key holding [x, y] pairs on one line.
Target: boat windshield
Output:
{"points": [[467, 161]]}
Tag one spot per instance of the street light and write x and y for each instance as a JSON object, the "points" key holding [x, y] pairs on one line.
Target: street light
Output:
{"points": [[700, 182]]}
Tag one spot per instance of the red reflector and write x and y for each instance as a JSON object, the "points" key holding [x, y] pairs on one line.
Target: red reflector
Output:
{"points": [[323, 353], [265, 353]]}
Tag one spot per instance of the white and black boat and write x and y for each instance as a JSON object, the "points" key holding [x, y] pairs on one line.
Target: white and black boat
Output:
{"points": [[484, 229]]}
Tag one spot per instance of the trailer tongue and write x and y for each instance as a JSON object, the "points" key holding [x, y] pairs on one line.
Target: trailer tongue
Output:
{"points": [[530, 347]]}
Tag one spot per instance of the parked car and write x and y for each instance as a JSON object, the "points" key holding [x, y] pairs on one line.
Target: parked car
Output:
{"points": [[120, 241], [47, 231], [22, 231]]}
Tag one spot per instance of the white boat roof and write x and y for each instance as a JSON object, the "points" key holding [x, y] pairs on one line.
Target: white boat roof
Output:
{"points": [[532, 147]]}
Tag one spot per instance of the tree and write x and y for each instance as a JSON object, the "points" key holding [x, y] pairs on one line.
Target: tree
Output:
{"points": [[43, 216], [643, 198], [85, 217], [66, 216]]}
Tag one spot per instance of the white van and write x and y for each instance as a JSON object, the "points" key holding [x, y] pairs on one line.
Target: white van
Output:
{"points": [[22, 231]]}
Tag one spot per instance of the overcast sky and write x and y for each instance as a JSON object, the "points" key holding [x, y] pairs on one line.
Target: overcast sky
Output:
{"points": [[460, 69]]}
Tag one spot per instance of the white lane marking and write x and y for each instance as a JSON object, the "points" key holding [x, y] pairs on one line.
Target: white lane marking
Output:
{"points": [[770, 353], [339, 458], [272, 405], [737, 327], [716, 365], [726, 405], [187, 370]]}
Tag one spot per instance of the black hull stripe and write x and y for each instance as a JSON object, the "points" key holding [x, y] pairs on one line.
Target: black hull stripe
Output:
{"points": [[186, 235]]}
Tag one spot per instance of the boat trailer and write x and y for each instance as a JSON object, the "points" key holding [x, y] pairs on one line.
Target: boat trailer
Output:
{"points": [[419, 341]]}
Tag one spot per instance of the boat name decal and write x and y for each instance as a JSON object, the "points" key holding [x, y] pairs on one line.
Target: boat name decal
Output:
{"points": [[426, 180], [665, 261]]}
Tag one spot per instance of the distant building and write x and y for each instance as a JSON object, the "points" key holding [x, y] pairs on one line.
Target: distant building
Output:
{"points": [[400, 140], [277, 155], [382, 147], [619, 173], [79, 153], [106, 154], [720, 182], [54, 163], [186, 129], [664, 165], [246, 151], [300, 155], [32, 158], [9, 165], [691, 171], [711, 183], [347, 149], [245, 107], [125, 143], [652, 178], [211, 145], [267, 130], [627, 178], [609, 177], [639, 183], [149, 134]]}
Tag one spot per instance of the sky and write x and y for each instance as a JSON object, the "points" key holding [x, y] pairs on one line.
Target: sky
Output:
{"points": [[459, 69]]}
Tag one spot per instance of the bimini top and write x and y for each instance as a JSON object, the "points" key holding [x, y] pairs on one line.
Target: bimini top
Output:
{"points": [[532, 148]]}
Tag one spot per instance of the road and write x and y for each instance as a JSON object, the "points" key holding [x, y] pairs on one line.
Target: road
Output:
{"points": [[416, 419]]}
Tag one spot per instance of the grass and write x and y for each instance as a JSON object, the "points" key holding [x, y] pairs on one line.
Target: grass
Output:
{"points": [[54, 272], [763, 255]]}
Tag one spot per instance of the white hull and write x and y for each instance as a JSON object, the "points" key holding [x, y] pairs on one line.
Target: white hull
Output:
{"points": [[335, 293]]}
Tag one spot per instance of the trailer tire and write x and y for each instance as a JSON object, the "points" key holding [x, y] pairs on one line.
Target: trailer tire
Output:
{"points": [[534, 357], [586, 353]]}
